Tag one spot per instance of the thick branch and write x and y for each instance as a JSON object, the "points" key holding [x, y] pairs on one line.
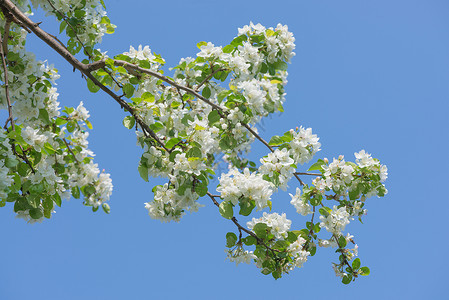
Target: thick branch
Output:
{"points": [[100, 64]]}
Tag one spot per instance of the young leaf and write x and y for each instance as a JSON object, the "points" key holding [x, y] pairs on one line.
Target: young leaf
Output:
{"points": [[143, 172], [231, 239], [206, 92], [129, 122], [316, 166], [356, 263], [226, 210], [92, 86]]}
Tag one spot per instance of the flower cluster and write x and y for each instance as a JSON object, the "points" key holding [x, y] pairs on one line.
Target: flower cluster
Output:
{"points": [[88, 20], [336, 220], [304, 145], [279, 224], [168, 205], [278, 165], [44, 151], [278, 250], [235, 187], [302, 207]]}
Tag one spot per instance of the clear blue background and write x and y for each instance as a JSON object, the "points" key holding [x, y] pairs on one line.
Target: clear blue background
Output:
{"points": [[370, 75]]}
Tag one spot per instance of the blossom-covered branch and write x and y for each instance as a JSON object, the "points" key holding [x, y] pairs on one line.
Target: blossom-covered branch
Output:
{"points": [[207, 108]]}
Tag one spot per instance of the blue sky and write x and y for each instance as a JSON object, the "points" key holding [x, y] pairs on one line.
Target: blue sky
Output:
{"points": [[367, 75]]}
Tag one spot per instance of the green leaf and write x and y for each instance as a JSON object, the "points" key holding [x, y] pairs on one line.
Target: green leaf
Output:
{"points": [[226, 210], [128, 89], [312, 249], [129, 122], [342, 241], [199, 128], [172, 142], [71, 126], [62, 26], [11, 162], [106, 208], [347, 279], [93, 88], [356, 263], [43, 116], [148, 97], [275, 141], [270, 205], [316, 200], [317, 165], [291, 237], [227, 142], [354, 194], [76, 192], [324, 212], [49, 148], [231, 239], [206, 92], [246, 207], [213, 117], [143, 172], [228, 49], [89, 124], [261, 230], [200, 44], [60, 121], [280, 65], [23, 169], [194, 152], [201, 189], [249, 240], [57, 199], [365, 271], [36, 213], [222, 95], [156, 127]]}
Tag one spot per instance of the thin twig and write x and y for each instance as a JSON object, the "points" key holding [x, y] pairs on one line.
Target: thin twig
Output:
{"points": [[70, 150], [6, 81], [311, 174], [299, 179], [8, 100], [208, 77], [240, 227]]}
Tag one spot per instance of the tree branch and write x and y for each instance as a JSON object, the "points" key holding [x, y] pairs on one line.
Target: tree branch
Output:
{"points": [[311, 174], [100, 64], [6, 81], [70, 150], [208, 77]]}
